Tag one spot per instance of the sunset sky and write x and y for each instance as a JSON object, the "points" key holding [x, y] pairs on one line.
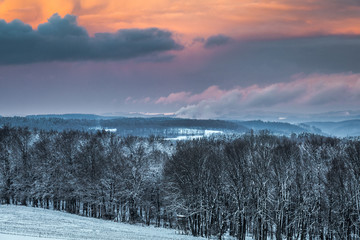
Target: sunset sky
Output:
{"points": [[197, 59]]}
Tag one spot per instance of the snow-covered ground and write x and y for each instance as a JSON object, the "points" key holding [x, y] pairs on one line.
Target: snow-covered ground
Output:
{"points": [[197, 134], [20, 237], [27, 223], [183, 138], [106, 129]]}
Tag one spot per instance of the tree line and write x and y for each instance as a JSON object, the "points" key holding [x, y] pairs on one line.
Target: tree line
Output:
{"points": [[159, 126], [259, 185]]}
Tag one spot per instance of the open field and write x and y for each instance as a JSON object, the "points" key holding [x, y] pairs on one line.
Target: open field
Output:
{"points": [[26, 223]]}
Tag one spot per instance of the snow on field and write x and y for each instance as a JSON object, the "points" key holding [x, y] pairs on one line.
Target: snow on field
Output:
{"points": [[114, 130], [212, 132], [19, 237], [183, 138], [26, 223], [205, 133]]}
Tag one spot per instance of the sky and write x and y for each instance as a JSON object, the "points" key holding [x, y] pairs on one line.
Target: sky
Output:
{"points": [[200, 59]]}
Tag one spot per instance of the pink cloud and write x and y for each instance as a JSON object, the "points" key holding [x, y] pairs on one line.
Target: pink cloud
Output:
{"points": [[213, 92], [310, 94], [174, 97]]}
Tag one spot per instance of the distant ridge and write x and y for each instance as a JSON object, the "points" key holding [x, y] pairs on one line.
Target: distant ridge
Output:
{"points": [[276, 127], [173, 127], [341, 129], [71, 116]]}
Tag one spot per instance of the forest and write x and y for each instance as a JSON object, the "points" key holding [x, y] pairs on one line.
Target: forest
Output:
{"points": [[257, 184], [159, 126]]}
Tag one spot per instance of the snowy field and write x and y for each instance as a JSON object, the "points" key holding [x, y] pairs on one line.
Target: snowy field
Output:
{"points": [[27, 223]]}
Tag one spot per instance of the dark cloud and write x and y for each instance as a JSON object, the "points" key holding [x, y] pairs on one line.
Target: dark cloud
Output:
{"points": [[268, 61], [216, 40], [62, 27], [61, 39], [318, 54]]}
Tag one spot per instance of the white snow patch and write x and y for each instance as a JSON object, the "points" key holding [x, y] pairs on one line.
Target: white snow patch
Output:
{"points": [[206, 133], [19, 237], [183, 138], [20, 223], [106, 129], [212, 132]]}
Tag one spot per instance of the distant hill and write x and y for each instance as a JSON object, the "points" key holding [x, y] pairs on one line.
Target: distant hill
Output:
{"points": [[173, 127], [167, 127], [341, 129], [279, 128], [70, 116]]}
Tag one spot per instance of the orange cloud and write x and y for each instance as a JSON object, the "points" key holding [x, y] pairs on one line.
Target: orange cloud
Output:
{"points": [[33, 12], [241, 19]]}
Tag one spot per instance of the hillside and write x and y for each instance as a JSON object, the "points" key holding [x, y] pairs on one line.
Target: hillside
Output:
{"points": [[340, 129], [279, 128], [24, 223], [169, 127]]}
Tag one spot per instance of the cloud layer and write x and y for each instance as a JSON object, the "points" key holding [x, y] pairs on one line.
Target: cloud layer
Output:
{"points": [[216, 41], [309, 94], [211, 93], [270, 42], [61, 39], [246, 18]]}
